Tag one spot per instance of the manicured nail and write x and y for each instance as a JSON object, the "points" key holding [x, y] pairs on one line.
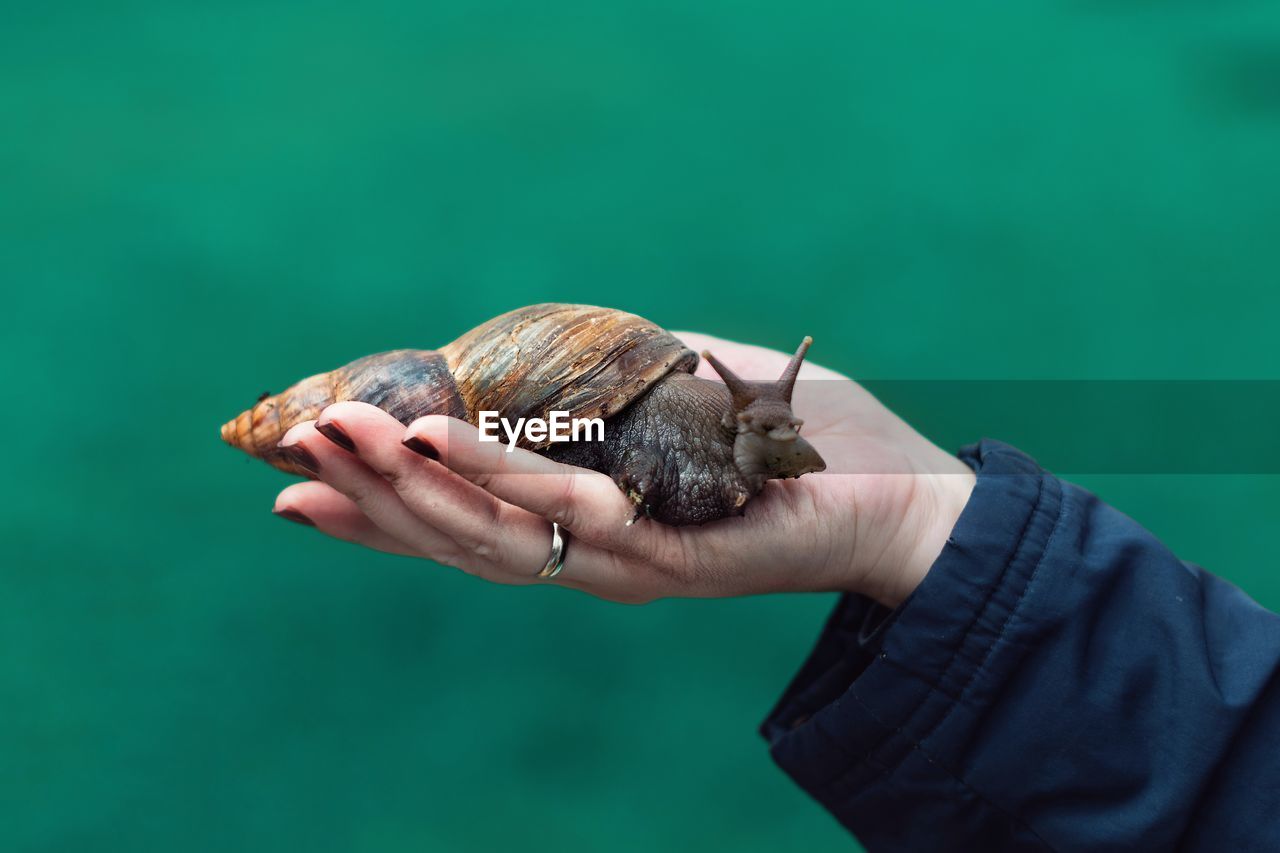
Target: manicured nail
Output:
{"points": [[334, 433], [421, 447], [294, 515], [303, 458]]}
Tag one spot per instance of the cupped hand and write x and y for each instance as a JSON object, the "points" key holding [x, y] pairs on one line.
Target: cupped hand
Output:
{"points": [[873, 522]]}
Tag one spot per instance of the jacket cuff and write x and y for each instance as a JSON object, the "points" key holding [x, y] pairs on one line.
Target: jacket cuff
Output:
{"points": [[879, 699]]}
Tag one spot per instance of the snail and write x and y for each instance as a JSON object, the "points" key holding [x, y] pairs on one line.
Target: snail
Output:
{"points": [[684, 449]]}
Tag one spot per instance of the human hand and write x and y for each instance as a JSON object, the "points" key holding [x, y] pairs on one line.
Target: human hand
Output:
{"points": [[872, 523]]}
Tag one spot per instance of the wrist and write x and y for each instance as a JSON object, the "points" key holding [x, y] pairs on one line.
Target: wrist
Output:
{"points": [[921, 511]]}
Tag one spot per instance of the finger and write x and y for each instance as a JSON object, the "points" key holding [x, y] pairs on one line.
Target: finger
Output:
{"points": [[373, 495], [586, 502], [502, 542], [331, 512]]}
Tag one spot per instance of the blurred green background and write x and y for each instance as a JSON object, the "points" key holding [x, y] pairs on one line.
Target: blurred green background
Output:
{"points": [[201, 201]]}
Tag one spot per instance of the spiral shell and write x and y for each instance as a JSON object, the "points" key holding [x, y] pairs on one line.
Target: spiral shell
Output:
{"points": [[587, 361]]}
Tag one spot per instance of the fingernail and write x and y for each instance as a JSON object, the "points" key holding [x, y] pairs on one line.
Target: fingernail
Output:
{"points": [[303, 458], [334, 433], [294, 515], [421, 447]]}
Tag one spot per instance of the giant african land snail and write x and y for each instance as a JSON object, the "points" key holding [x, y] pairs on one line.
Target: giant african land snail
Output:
{"points": [[686, 450]]}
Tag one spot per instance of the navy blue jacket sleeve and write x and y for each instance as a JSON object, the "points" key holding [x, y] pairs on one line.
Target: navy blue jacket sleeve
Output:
{"points": [[1058, 681]]}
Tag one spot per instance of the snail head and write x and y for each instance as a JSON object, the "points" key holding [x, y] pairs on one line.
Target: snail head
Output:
{"points": [[768, 442]]}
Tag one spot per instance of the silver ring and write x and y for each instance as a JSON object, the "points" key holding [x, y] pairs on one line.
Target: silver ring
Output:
{"points": [[559, 541]]}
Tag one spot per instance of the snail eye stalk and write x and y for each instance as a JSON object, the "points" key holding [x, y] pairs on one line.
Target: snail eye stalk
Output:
{"points": [[763, 407]]}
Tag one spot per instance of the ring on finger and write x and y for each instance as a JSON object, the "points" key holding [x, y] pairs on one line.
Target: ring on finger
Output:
{"points": [[559, 545]]}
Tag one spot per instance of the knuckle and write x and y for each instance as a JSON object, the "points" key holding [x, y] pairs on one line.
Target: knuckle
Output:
{"points": [[488, 474], [453, 556], [493, 516], [450, 557], [479, 538], [568, 492], [564, 510], [365, 495], [397, 477], [564, 516], [400, 473]]}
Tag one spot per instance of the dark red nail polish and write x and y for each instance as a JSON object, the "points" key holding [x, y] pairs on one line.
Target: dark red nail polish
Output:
{"points": [[421, 447], [303, 458], [334, 433], [294, 515]]}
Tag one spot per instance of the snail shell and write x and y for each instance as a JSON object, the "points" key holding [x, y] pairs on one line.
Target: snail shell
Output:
{"points": [[587, 361]]}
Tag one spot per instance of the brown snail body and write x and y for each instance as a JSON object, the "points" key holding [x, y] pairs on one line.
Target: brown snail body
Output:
{"points": [[686, 450]]}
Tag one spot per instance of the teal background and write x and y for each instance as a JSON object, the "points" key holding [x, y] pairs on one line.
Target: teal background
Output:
{"points": [[200, 201]]}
